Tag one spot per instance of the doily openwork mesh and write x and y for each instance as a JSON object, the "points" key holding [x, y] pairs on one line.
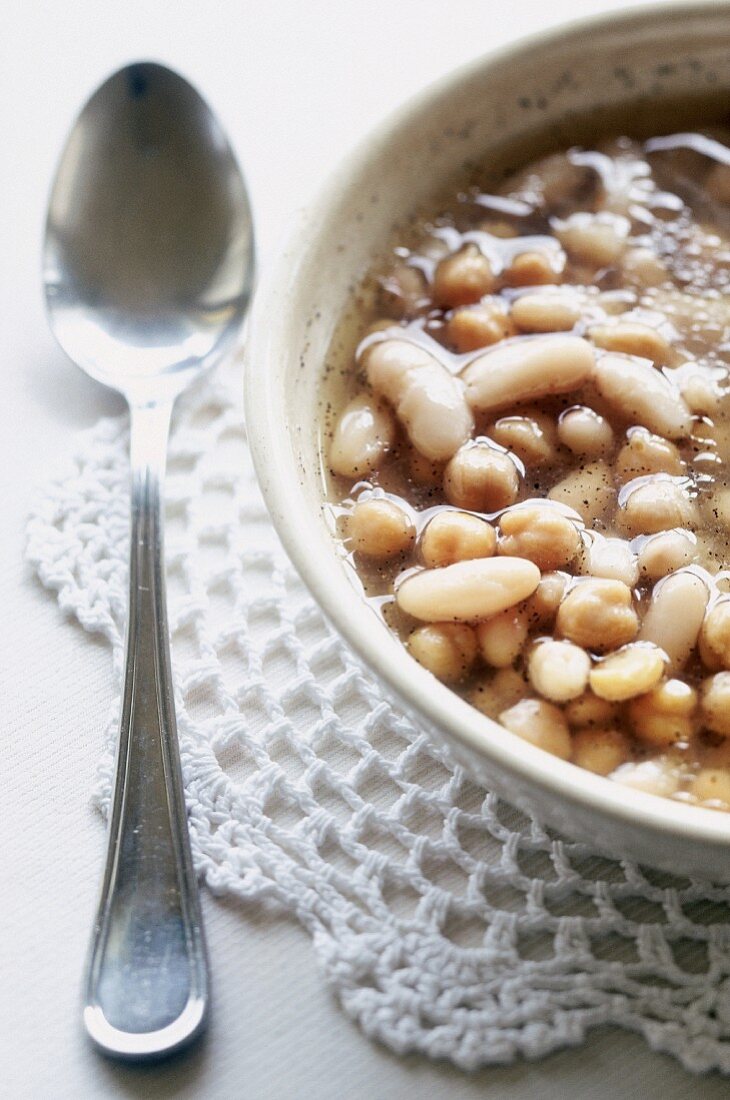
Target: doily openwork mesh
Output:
{"points": [[446, 922]]}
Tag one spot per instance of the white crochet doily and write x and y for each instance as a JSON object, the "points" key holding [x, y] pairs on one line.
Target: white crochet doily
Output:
{"points": [[445, 922]]}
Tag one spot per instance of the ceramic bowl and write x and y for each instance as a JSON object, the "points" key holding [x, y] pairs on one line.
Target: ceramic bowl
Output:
{"points": [[546, 84]]}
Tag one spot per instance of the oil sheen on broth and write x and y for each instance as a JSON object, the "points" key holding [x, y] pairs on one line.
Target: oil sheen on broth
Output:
{"points": [[529, 475]]}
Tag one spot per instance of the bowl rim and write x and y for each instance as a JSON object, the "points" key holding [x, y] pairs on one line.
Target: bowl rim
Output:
{"points": [[274, 463]]}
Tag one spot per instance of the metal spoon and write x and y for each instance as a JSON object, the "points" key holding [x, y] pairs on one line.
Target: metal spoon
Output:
{"points": [[148, 264]]}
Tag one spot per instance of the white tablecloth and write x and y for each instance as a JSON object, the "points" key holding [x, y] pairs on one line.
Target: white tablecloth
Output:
{"points": [[295, 85]]}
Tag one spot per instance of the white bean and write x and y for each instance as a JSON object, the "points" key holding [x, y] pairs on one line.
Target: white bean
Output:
{"points": [[363, 435], [526, 368], [675, 616], [639, 392], [544, 312], [467, 591], [428, 400], [559, 670], [632, 338]]}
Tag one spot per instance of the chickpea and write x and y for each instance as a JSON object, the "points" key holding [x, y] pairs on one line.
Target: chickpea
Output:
{"points": [[590, 711], [456, 536], [589, 490], [628, 672], [715, 703], [478, 326], [531, 436], [598, 615], [558, 670], [664, 715], [380, 529], [658, 504], [699, 390], [546, 312], [584, 432], [448, 650], [596, 239], [645, 453], [534, 269], [600, 750], [666, 552], [712, 785], [555, 179], [612, 559], [404, 291], [714, 639], [632, 338], [541, 724], [501, 639], [643, 267], [539, 533], [481, 478], [501, 690], [463, 278], [543, 604]]}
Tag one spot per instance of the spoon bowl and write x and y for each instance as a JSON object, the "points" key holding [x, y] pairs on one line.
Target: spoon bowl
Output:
{"points": [[148, 265], [148, 255]]}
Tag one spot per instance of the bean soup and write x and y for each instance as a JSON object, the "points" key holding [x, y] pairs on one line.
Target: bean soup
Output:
{"points": [[530, 475]]}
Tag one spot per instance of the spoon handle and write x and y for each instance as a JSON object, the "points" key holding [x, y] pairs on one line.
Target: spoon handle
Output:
{"points": [[147, 982]]}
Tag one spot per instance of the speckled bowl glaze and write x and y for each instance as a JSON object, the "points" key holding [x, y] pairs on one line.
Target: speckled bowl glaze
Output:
{"points": [[544, 84]]}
